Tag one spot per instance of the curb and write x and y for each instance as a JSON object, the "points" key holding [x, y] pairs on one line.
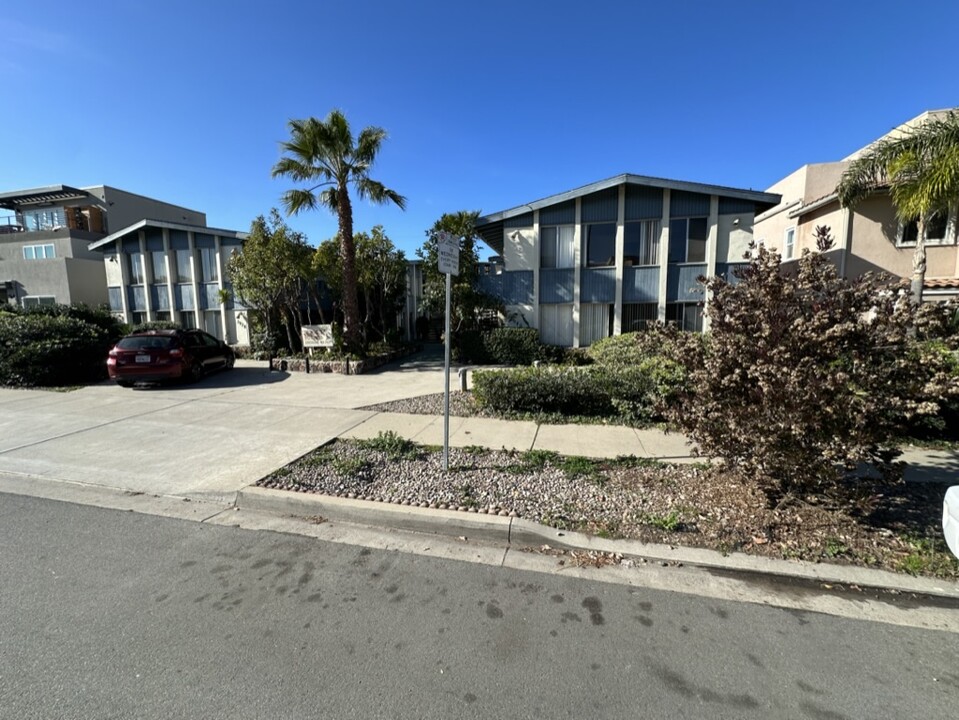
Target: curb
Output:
{"points": [[525, 533]]}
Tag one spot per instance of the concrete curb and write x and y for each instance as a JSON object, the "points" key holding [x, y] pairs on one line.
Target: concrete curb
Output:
{"points": [[525, 533]]}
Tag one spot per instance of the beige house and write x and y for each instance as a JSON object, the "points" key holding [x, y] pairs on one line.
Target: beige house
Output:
{"points": [[868, 237]]}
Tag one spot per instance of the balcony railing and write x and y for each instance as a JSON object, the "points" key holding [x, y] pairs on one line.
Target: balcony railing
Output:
{"points": [[10, 224]]}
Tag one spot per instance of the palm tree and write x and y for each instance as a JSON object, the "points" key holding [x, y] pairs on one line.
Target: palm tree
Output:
{"points": [[323, 154], [920, 168]]}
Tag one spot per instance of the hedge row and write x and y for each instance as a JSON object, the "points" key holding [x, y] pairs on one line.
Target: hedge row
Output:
{"points": [[503, 346], [631, 393], [55, 346]]}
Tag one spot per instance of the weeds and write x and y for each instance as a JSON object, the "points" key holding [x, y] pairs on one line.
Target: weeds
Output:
{"points": [[393, 445], [928, 556], [349, 467]]}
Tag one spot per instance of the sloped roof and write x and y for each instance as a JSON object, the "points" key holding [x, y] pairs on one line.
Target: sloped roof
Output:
{"points": [[140, 224]]}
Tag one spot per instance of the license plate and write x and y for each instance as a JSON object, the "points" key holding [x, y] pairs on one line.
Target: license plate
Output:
{"points": [[143, 358]]}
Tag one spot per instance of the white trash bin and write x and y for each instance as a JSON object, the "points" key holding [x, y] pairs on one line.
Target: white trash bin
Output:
{"points": [[950, 519]]}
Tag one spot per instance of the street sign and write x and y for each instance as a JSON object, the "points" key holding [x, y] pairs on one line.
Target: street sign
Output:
{"points": [[317, 336], [448, 247]]}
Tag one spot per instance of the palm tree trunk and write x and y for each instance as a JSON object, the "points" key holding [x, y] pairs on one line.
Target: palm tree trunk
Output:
{"points": [[919, 262], [351, 304]]}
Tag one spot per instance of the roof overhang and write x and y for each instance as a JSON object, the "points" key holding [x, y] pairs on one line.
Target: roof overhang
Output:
{"points": [[49, 195], [106, 243], [490, 226], [814, 205]]}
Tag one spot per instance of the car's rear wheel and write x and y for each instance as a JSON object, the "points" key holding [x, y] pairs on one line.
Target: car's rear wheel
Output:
{"points": [[230, 362], [196, 372]]}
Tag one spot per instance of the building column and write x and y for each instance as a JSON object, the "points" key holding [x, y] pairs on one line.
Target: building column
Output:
{"points": [[220, 271], [147, 276], [197, 313], [663, 257], [620, 260], [124, 282], [537, 258], [169, 276], [712, 243], [577, 266]]}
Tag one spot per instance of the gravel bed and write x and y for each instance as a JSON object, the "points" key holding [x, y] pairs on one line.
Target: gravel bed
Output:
{"points": [[693, 505], [461, 405]]}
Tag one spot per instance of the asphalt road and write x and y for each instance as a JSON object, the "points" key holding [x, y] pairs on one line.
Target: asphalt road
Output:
{"points": [[109, 614]]}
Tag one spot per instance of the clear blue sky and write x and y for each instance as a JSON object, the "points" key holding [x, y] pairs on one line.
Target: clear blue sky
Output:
{"points": [[488, 105]]}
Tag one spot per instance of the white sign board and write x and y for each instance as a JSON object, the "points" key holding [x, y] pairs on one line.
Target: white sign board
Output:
{"points": [[448, 247], [950, 519], [317, 336]]}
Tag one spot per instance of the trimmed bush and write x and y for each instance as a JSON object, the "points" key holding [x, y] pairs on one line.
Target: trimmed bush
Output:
{"points": [[46, 349], [513, 346]]}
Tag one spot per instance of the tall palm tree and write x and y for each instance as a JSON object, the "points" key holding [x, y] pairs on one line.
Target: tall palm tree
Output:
{"points": [[324, 154], [921, 170]]}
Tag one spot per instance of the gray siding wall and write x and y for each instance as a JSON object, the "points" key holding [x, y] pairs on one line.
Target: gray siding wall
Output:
{"points": [[688, 204], [640, 284], [726, 270], [137, 298], [116, 298], [643, 203], [560, 214], [682, 284], [513, 287], [598, 285], [160, 297], [184, 297], [520, 221], [599, 207], [209, 296], [556, 285]]}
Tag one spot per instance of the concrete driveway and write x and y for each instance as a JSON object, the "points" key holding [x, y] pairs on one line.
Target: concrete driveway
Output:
{"points": [[203, 441]]}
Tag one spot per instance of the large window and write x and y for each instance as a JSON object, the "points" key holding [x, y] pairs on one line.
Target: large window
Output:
{"points": [[160, 274], [687, 240], [184, 272], [210, 271], [556, 246], [187, 320], [641, 244], [638, 316], [135, 260], [687, 316], [39, 252], [940, 230], [211, 323], [45, 219], [601, 245]]}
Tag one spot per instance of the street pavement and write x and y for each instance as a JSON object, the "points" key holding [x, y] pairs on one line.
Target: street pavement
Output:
{"points": [[111, 614]]}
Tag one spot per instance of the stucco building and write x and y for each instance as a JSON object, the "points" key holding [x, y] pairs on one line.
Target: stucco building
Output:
{"points": [[868, 237]]}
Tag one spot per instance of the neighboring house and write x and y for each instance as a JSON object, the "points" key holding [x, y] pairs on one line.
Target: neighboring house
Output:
{"points": [[608, 257], [158, 270], [868, 237], [44, 254]]}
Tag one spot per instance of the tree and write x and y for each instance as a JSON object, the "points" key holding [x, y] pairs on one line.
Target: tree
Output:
{"points": [[803, 375], [270, 272], [466, 301], [324, 154], [381, 278], [920, 168]]}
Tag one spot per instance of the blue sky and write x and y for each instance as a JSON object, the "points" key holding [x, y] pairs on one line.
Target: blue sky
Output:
{"points": [[488, 105]]}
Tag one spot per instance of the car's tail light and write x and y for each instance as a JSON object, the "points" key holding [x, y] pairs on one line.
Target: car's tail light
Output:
{"points": [[176, 352], [112, 357]]}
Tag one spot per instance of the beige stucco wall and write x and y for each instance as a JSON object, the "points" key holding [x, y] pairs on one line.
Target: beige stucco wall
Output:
{"points": [[520, 250], [732, 238]]}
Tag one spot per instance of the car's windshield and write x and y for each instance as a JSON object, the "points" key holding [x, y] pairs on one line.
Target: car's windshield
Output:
{"points": [[146, 342]]}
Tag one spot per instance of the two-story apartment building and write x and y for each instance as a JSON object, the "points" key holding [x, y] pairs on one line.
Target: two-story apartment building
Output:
{"points": [[868, 237], [608, 257], [45, 236]]}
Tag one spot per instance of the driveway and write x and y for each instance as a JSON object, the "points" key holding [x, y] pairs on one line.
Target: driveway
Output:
{"points": [[203, 441]]}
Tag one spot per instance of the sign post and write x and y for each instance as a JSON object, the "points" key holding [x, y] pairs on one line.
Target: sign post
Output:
{"points": [[448, 247]]}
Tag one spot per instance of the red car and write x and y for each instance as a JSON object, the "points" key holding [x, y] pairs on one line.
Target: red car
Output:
{"points": [[158, 355]]}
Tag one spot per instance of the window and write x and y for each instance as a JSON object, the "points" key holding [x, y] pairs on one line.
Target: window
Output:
{"points": [[687, 316], [687, 240], [39, 252], [158, 258], [30, 301], [139, 318], [556, 246], [184, 272], [211, 323], [641, 245], [789, 243], [135, 261], [601, 245], [210, 271], [163, 316], [940, 230], [638, 316], [187, 320], [45, 219]]}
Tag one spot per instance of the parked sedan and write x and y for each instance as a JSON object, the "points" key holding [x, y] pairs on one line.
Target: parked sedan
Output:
{"points": [[158, 355]]}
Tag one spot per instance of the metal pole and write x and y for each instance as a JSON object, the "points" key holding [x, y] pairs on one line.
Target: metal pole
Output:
{"points": [[446, 395]]}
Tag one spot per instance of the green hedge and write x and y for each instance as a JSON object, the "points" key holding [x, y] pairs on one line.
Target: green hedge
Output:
{"points": [[627, 393], [626, 349], [503, 346], [55, 345]]}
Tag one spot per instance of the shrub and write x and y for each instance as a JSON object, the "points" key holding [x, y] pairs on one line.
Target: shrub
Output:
{"points": [[627, 349], [513, 346], [806, 374], [155, 325], [48, 349]]}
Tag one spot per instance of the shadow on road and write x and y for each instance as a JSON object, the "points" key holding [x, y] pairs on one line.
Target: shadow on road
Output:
{"points": [[235, 378]]}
